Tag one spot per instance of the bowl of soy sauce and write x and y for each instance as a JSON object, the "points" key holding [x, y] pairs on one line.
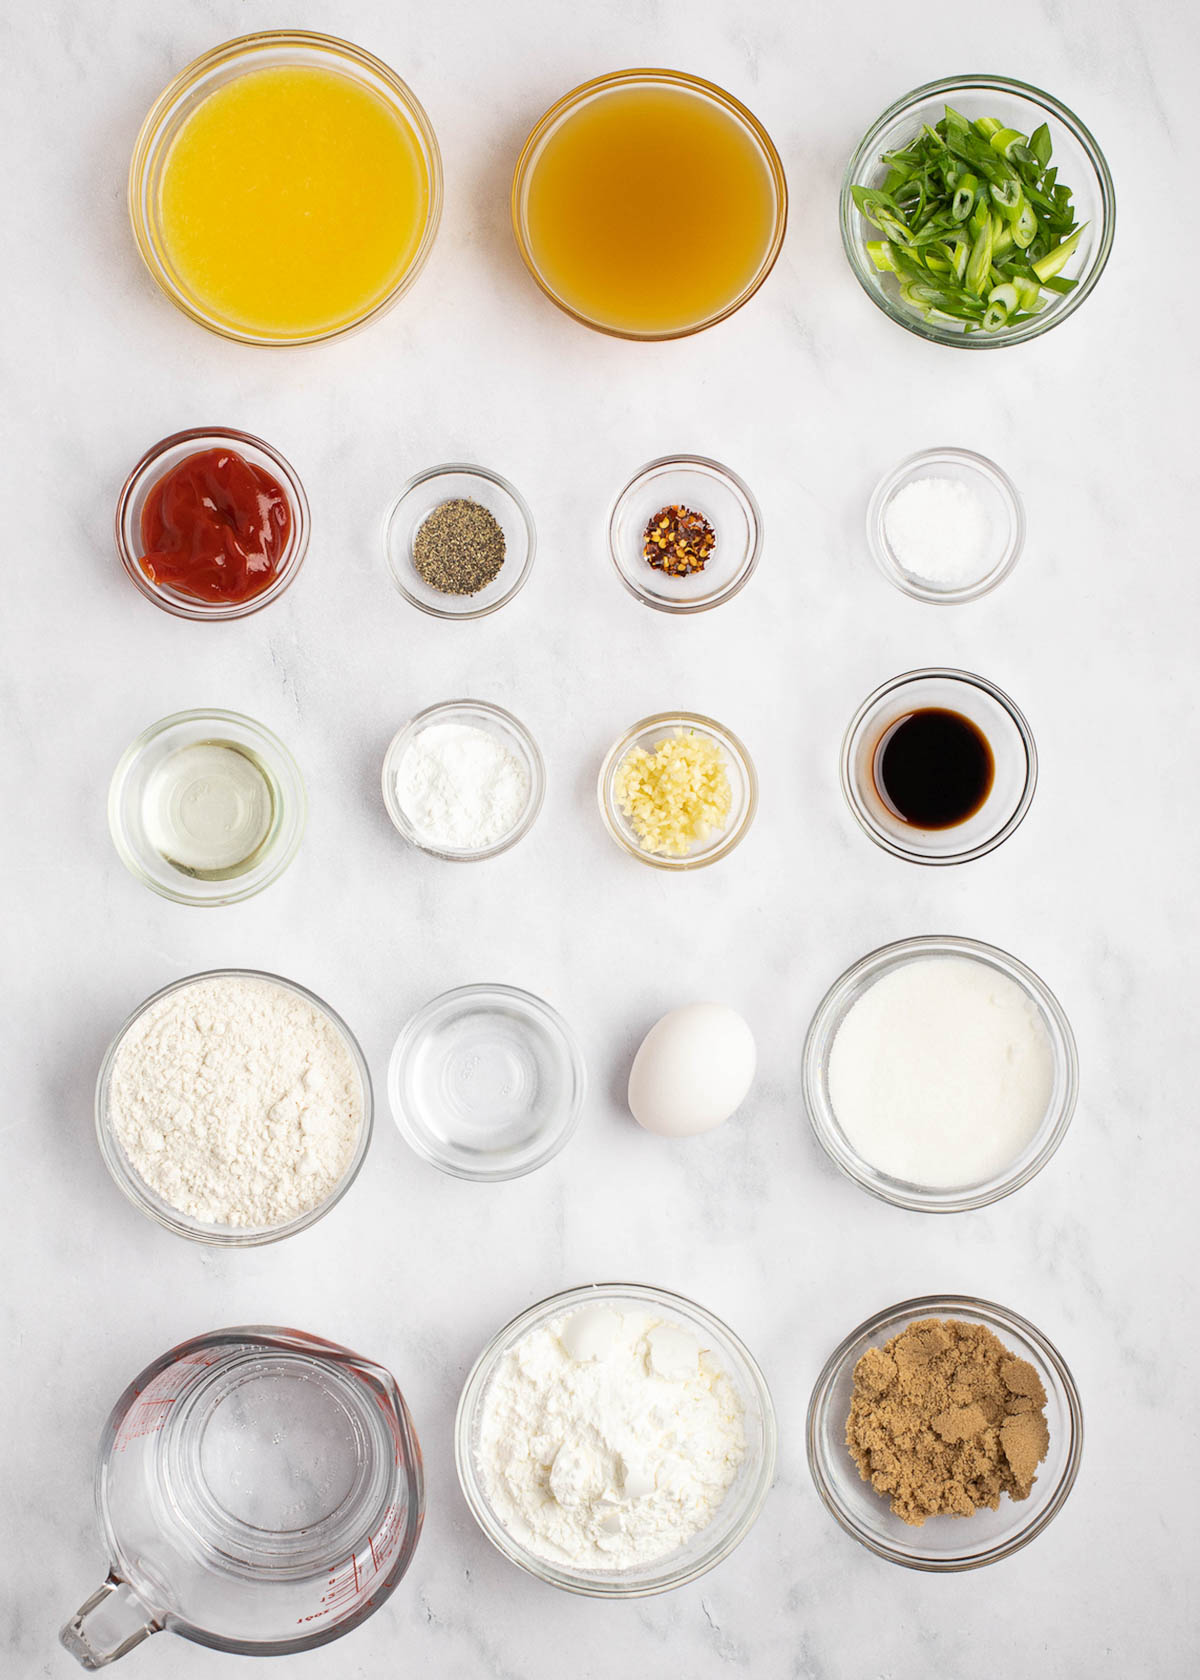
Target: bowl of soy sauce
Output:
{"points": [[939, 766]]}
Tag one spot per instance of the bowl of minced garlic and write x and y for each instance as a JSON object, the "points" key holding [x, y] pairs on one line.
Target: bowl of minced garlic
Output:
{"points": [[678, 791], [945, 1433]]}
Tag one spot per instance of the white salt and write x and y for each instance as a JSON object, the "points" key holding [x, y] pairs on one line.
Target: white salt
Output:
{"points": [[938, 530]]}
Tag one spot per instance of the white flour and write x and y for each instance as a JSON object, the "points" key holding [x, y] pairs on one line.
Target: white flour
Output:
{"points": [[460, 787], [238, 1101], [608, 1439]]}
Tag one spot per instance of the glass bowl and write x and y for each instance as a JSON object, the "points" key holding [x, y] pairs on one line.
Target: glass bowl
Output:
{"points": [[1079, 160], [943, 1543], [998, 720], [707, 488], [487, 1083], [149, 1202], [162, 459], [743, 787], [271, 49], [734, 1517], [418, 499], [133, 782], [837, 1004], [622, 81], [1002, 507], [478, 714]]}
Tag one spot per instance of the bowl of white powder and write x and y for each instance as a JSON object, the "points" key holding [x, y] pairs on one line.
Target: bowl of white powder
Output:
{"points": [[463, 780], [946, 526], [615, 1440], [940, 1074], [234, 1108]]}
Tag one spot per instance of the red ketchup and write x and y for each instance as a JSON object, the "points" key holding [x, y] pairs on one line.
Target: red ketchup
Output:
{"points": [[215, 528]]}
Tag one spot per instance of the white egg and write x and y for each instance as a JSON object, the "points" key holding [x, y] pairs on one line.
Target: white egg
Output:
{"points": [[692, 1071]]}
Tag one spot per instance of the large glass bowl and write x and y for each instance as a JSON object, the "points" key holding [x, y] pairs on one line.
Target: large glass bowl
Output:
{"points": [[946, 1543], [620, 81], [148, 1201], [271, 49], [1081, 167], [734, 1517]]}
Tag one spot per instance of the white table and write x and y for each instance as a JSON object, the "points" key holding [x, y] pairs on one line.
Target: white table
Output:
{"points": [[811, 394]]}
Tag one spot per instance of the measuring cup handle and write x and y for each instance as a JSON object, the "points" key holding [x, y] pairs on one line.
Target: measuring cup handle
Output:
{"points": [[121, 1606]]}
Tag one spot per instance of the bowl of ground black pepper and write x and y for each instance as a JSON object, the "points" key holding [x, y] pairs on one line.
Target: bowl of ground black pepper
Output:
{"points": [[459, 541], [685, 534], [945, 1433]]}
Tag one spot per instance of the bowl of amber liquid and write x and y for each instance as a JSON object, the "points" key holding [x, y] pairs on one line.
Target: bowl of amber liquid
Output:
{"points": [[649, 204], [285, 188]]}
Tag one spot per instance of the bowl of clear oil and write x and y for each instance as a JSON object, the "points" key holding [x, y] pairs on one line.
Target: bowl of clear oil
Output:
{"points": [[206, 807]]}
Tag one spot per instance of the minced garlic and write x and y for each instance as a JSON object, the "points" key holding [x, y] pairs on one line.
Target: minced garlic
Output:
{"points": [[677, 795]]}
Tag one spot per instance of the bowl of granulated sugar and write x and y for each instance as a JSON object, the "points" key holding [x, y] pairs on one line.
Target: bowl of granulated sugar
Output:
{"points": [[234, 1108]]}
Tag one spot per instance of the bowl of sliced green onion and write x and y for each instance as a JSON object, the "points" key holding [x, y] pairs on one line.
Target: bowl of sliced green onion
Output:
{"points": [[978, 212]]}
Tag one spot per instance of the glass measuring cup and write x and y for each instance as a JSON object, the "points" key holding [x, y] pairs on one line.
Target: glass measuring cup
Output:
{"points": [[259, 1491]]}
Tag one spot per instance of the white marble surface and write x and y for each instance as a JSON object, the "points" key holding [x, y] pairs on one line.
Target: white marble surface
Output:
{"points": [[811, 394]]}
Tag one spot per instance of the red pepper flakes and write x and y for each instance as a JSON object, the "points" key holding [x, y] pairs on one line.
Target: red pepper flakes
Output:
{"points": [[678, 541]]}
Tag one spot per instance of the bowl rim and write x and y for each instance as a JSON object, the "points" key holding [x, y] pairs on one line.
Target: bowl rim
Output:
{"points": [[134, 1188], [725, 738], [141, 479], [714, 469], [909, 319], [888, 842], [402, 1050], [443, 711], [162, 111], [587, 1583], [944, 1306], [471, 470], [822, 1031], [628, 78], [296, 795], [881, 549]]}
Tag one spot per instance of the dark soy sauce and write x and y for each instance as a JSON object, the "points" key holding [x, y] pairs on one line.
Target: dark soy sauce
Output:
{"points": [[933, 768]]}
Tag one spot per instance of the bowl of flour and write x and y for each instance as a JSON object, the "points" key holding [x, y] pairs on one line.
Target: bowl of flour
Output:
{"points": [[616, 1440], [234, 1107]]}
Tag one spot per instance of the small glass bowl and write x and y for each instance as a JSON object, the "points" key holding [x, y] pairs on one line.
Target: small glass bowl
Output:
{"points": [[1002, 508], [149, 1202], [162, 459], [946, 1543], [707, 488], [130, 785], [479, 714], [1003, 727], [1081, 167], [734, 1517], [743, 787], [418, 499], [487, 1083], [826, 1023], [270, 49], [620, 81]]}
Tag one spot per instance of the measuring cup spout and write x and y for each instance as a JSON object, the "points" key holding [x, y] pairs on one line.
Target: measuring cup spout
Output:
{"points": [[119, 1622]]}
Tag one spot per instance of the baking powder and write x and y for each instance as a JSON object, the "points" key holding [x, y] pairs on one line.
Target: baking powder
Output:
{"points": [[609, 1439], [460, 787], [238, 1101]]}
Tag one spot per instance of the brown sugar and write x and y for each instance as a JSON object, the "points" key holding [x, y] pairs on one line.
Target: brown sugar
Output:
{"points": [[944, 1419]]}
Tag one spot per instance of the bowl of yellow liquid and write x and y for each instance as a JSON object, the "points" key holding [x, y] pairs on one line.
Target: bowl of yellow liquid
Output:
{"points": [[649, 204], [285, 188]]}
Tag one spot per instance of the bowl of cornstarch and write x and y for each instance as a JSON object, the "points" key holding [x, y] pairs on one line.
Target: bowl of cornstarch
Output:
{"points": [[234, 1108], [946, 526], [615, 1440], [463, 780]]}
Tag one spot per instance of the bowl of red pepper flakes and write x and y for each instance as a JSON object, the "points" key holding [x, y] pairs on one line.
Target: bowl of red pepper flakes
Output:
{"points": [[212, 523], [685, 534]]}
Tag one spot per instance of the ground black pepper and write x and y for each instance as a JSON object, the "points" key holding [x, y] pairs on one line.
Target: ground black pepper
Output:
{"points": [[459, 547]]}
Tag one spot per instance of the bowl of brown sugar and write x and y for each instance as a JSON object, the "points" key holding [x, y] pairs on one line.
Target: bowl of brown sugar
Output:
{"points": [[945, 1433]]}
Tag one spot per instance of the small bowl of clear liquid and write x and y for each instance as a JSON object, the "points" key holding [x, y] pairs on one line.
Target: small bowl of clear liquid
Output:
{"points": [[487, 1082], [206, 807]]}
